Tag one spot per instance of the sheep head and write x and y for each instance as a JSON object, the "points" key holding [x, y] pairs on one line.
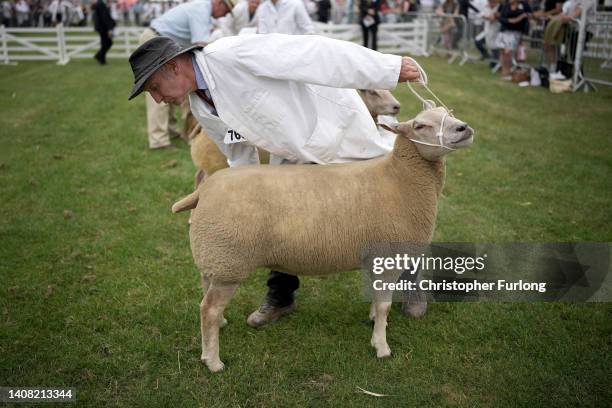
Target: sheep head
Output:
{"points": [[435, 133], [380, 102]]}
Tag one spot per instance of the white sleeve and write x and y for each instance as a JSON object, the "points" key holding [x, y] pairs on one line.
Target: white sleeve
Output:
{"points": [[263, 20], [302, 19], [315, 60]]}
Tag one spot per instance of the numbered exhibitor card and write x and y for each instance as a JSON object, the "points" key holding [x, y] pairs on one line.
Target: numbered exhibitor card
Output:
{"points": [[575, 272]]}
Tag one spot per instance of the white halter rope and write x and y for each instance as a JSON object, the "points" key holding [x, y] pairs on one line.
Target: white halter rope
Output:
{"points": [[423, 81]]}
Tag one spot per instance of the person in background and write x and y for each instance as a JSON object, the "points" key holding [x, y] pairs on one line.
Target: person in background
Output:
{"points": [[137, 10], [369, 19], [391, 11], [323, 10], [243, 15], [549, 9], [79, 15], [490, 15], [22, 11], [7, 13], [448, 10], [556, 29], [428, 6], [464, 8], [283, 16], [339, 11], [104, 25], [514, 18], [124, 7]]}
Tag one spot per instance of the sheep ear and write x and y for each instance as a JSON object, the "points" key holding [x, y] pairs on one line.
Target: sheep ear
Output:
{"points": [[429, 104], [391, 127]]}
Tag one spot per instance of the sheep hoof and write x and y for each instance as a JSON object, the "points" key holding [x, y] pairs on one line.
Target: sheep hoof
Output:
{"points": [[214, 366], [384, 351]]}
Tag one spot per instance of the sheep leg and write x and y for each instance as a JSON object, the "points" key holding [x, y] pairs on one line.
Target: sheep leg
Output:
{"points": [[379, 335], [205, 285], [211, 313]]}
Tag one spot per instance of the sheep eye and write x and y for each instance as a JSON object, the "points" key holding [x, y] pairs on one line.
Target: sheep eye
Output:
{"points": [[374, 93]]}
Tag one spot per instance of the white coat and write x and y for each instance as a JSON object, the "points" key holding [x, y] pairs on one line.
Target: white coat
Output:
{"points": [[282, 93], [286, 17], [239, 19]]}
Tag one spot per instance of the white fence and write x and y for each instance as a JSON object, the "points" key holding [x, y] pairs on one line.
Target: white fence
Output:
{"points": [[62, 44], [396, 38]]}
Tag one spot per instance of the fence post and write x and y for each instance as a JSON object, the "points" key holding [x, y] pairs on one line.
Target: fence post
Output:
{"points": [[5, 57], [61, 45], [466, 38], [126, 41], [579, 80]]}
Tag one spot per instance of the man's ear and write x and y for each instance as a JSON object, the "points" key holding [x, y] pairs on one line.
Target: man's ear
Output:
{"points": [[172, 66]]}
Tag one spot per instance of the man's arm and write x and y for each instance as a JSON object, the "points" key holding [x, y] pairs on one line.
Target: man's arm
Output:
{"points": [[263, 19], [317, 60], [302, 19]]}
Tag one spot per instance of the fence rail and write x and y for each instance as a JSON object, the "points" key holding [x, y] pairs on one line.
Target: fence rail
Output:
{"points": [[61, 44]]}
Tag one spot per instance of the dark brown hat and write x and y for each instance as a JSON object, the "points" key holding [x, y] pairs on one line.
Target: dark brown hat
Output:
{"points": [[151, 56]]}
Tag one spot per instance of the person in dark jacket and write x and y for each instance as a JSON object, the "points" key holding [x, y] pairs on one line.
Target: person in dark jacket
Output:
{"points": [[514, 19], [103, 24], [369, 20], [323, 10]]}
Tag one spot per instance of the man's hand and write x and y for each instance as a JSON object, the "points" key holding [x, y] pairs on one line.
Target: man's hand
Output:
{"points": [[409, 71]]}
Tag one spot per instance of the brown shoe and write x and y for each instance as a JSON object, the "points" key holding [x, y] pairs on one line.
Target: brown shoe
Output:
{"points": [[268, 314], [415, 303]]}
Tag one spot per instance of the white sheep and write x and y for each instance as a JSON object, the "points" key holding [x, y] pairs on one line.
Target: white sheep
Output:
{"points": [[314, 220]]}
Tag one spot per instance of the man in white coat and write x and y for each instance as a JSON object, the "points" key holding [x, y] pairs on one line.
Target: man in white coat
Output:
{"points": [[284, 16], [291, 95], [243, 15]]}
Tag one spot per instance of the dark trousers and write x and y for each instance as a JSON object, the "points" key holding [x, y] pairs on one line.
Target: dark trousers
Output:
{"points": [[280, 289], [373, 29], [105, 44]]}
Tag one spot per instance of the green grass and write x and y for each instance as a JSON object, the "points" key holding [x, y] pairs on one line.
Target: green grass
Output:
{"points": [[104, 297]]}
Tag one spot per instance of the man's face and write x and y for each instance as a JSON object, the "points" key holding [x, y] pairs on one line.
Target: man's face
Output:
{"points": [[253, 4], [167, 85], [219, 8]]}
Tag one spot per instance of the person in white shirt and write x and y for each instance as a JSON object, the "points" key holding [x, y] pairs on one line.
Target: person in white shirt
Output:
{"points": [[283, 16], [22, 9], [293, 95], [244, 14]]}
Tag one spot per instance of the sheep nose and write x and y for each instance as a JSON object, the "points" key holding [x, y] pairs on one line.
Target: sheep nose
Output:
{"points": [[461, 128], [396, 109]]}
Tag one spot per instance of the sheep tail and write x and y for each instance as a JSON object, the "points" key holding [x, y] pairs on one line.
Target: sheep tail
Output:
{"points": [[187, 203]]}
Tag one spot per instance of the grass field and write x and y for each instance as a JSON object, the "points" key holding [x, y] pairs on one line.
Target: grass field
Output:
{"points": [[99, 291]]}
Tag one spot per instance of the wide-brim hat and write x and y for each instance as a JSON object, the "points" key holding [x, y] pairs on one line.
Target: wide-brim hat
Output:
{"points": [[151, 56]]}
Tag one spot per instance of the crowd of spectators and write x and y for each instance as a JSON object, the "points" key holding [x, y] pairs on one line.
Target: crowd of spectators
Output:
{"points": [[496, 27], [77, 13]]}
